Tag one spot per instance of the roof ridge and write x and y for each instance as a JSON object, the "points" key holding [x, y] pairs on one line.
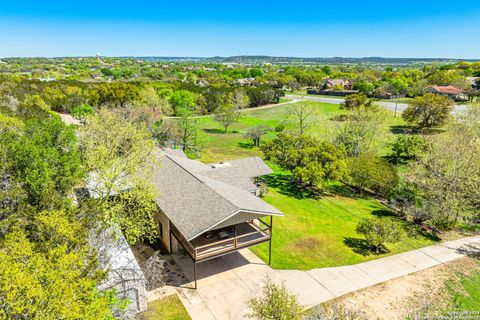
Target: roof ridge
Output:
{"points": [[185, 169], [204, 182]]}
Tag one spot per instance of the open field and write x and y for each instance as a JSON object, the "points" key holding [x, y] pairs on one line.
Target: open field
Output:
{"points": [[217, 145], [321, 232], [316, 232]]}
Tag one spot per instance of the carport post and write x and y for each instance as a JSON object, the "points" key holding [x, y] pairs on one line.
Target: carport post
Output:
{"points": [[195, 273], [270, 243]]}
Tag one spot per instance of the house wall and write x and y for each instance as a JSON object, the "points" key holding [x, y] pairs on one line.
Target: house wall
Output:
{"points": [[163, 228], [239, 218]]}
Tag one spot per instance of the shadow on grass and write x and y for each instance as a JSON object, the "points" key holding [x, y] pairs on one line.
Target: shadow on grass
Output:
{"points": [[384, 213], [344, 190], [246, 145], [359, 246], [216, 131], [406, 129], [287, 187]]}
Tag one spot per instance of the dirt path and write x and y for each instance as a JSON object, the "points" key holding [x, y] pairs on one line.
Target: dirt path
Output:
{"points": [[398, 298]]}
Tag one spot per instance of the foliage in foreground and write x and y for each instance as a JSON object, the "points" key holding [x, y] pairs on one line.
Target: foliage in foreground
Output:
{"points": [[276, 303]]}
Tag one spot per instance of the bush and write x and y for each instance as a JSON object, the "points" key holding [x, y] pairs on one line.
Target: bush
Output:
{"points": [[82, 110], [378, 232], [369, 172], [406, 148], [428, 111], [275, 304]]}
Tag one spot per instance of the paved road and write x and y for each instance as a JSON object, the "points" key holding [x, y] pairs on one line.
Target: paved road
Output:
{"points": [[226, 284], [400, 107]]}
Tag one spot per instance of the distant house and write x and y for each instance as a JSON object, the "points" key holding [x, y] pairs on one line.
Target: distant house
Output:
{"points": [[210, 210], [452, 92], [331, 84], [473, 81]]}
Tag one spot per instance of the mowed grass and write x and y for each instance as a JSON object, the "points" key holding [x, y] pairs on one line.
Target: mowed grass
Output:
{"points": [[169, 308], [218, 146], [315, 232], [320, 232]]}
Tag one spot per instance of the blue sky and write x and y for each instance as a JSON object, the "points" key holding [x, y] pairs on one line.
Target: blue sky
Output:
{"points": [[200, 28]]}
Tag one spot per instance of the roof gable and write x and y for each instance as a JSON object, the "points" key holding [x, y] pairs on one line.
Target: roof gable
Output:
{"points": [[195, 203]]}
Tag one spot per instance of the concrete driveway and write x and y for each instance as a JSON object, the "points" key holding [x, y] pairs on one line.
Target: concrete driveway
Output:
{"points": [[226, 284]]}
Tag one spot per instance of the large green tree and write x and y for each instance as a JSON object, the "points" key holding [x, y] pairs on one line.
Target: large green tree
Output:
{"points": [[311, 161], [117, 155], [429, 110]]}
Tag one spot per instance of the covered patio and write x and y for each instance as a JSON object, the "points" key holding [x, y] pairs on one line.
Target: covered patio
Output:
{"points": [[219, 242]]}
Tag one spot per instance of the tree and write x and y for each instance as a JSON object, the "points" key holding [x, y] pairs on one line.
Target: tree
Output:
{"points": [[230, 109], [47, 271], [364, 87], [118, 154], [406, 147], [429, 111], [187, 128], [311, 161], [34, 106], [303, 115], [448, 174], [370, 172], [275, 304], [182, 100], [149, 98], [256, 133], [42, 155], [359, 130], [356, 101], [378, 232], [115, 94]]}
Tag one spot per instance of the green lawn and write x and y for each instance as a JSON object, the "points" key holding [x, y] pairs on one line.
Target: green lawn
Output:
{"points": [[170, 308], [320, 232], [314, 232], [465, 291], [217, 145]]}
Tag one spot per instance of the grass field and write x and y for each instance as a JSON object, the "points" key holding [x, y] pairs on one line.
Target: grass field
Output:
{"points": [[170, 308], [217, 145], [314, 232], [320, 232]]}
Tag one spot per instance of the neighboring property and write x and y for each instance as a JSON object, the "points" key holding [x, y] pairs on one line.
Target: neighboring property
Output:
{"points": [[124, 273], [474, 81], [210, 210], [452, 92], [333, 84]]}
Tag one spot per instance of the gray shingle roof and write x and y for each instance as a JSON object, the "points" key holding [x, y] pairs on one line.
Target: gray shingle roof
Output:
{"points": [[195, 202]]}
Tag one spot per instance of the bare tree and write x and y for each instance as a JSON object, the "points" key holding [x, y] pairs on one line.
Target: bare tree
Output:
{"points": [[256, 133], [303, 115]]}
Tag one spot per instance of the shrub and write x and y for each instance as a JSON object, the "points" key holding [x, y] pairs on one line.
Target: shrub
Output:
{"points": [[82, 110], [275, 304], [406, 148], [370, 172], [379, 231]]}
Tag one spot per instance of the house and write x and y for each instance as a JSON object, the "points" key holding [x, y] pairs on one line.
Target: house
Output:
{"points": [[452, 92], [474, 81], [124, 272], [332, 84], [210, 210], [205, 210]]}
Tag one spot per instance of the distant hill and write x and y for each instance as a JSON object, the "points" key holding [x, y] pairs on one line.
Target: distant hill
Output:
{"points": [[307, 60]]}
